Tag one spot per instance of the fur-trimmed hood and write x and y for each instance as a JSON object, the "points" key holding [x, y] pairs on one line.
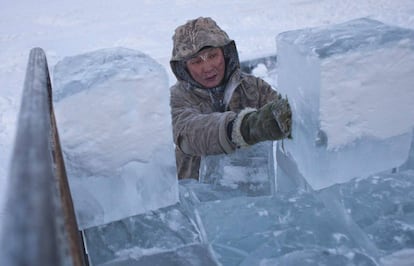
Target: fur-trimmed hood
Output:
{"points": [[192, 37]]}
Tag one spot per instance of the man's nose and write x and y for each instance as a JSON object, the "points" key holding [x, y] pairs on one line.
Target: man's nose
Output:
{"points": [[207, 66]]}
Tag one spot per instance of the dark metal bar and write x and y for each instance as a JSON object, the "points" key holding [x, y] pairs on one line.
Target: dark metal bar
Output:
{"points": [[39, 226]]}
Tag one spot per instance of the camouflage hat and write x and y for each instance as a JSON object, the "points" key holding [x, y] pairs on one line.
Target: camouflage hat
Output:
{"points": [[196, 34]]}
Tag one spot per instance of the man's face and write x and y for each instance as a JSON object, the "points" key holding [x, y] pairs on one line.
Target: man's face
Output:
{"points": [[207, 67]]}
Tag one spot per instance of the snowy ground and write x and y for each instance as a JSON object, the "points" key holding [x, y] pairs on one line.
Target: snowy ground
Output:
{"points": [[74, 27]]}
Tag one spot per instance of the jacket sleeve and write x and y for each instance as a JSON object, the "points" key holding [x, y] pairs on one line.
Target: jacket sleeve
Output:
{"points": [[196, 132], [267, 93]]}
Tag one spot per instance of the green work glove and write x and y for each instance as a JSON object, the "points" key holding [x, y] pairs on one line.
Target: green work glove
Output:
{"points": [[283, 116], [271, 122]]}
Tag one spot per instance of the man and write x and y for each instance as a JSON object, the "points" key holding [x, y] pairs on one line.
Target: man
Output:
{"points": [[215, 107]]}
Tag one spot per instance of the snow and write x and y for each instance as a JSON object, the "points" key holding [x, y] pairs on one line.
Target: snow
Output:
{"points": [[75, 27]]}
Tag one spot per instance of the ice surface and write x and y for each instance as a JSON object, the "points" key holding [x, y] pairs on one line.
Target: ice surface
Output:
{"points": [[111, 107], [283, 229], [350, 87], [383, 206], [200, 255], [246, 231], [160, 231]]}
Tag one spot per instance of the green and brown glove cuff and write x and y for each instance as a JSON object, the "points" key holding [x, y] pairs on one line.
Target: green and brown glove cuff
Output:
{"points": [[236, 134]]}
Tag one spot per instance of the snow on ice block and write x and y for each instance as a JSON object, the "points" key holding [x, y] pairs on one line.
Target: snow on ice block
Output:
{"points": [[112, 109], [351, 89]]}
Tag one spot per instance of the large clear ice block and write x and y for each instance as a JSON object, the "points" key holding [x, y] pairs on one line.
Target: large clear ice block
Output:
{"points": [[112, 110], [350, 87]]}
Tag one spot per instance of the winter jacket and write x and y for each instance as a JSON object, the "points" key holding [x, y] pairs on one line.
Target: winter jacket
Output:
{"points": [[199, 127]]}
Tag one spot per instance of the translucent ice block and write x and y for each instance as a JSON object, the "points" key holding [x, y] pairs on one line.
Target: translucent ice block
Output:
{"points": [[112, 109], [156, 232], [351, 90], [246, 172]]}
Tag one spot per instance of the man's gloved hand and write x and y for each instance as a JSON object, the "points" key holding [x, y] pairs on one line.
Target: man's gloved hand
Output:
{"points": [[271, 122], [283, 116]]}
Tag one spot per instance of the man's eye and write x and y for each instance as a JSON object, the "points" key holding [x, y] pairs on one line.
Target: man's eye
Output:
{"points": [[212, 55], [195, 61]]}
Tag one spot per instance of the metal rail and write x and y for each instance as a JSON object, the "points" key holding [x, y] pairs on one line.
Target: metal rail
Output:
{"points": [[39, 225]]}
